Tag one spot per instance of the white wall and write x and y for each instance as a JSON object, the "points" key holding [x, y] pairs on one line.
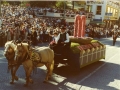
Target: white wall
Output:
{"points": [[103, 11]]}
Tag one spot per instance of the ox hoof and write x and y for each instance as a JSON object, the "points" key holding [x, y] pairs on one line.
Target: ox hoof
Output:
{"points": [[11, 82], [31, 81], [49, 78], [25, 85], [44, 81], [16, 78]]}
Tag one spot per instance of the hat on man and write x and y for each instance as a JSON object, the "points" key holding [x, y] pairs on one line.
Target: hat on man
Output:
{"points": [[62, 27]]}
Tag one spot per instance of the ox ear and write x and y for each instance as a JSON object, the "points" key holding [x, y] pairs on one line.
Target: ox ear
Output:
{"points": [[21, 44], [15, 42]]}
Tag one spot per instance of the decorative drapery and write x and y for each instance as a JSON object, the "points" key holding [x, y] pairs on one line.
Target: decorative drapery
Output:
{"points": [[79, 25]]}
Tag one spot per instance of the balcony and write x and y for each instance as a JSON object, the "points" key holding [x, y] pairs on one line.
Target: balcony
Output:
{"points": [[68, 17], [113, 4], [110, 18]]}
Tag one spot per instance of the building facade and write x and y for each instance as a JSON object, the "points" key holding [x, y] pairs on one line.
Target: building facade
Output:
{"points": [[104, 11]]}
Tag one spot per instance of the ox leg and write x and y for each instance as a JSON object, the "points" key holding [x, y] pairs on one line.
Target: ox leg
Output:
{"points": [[28, 76], [28, 71], [49, 71], [25, 68], [13, 73], [12, 80]]}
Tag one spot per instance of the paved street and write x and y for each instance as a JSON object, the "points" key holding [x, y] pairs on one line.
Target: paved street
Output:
{"points": [[106, 76], [102, 75]]}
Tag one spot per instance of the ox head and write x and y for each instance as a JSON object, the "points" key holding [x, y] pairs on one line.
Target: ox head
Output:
{"points": [[9, 52], [21, 52]]}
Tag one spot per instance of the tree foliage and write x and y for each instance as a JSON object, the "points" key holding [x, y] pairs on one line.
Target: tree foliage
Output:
{"points": [[5, 3], [61, 4], [58, 4], [42, 3]]}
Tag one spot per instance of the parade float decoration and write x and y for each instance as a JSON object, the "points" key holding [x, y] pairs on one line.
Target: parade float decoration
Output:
{"points": [[85, 50]]}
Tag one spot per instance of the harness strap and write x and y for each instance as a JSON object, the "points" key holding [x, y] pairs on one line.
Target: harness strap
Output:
{"points": [[24, 59], [40, 57]]}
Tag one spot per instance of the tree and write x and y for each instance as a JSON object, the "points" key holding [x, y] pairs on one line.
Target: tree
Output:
{"points": [[25, 3], [38, 3], [43, 3], [61, 4], [5, 3]]}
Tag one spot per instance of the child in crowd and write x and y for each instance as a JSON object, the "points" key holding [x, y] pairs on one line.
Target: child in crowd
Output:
{"points": [[54, 41]]}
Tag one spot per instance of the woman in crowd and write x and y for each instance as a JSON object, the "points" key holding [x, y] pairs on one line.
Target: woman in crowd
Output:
{"points": [[114, 35]]}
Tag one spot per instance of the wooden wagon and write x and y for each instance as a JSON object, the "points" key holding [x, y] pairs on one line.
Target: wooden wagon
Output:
{"points": [[84, 51]]}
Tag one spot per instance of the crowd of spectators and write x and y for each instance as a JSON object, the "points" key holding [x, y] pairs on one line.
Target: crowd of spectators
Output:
{"points": [[100, 32], [54, 10], [19, 23]]}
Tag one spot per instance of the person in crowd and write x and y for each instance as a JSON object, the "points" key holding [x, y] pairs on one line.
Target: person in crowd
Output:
{"points": [[22, 32], [41, 35], [63, 42], [8, 34], [34, 36], [119, 32], [2, 37], [61, 45], [53, 43], [107, 32], [47, 34], [0, 22], [114, 35]]}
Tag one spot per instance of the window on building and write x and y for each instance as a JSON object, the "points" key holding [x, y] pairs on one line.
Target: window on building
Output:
{"points": [[98, 10], [116, 13], [111, 10], [89, 8], [108, 10]]}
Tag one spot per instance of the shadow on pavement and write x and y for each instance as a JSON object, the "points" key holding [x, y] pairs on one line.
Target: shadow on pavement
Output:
{"points": [[64, 74], [107, 78], [101, 80]]}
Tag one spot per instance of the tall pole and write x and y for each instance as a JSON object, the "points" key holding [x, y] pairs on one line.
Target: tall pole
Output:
{"points": [[64, 11], [21, 3], [0, 8], [73, 5]]}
